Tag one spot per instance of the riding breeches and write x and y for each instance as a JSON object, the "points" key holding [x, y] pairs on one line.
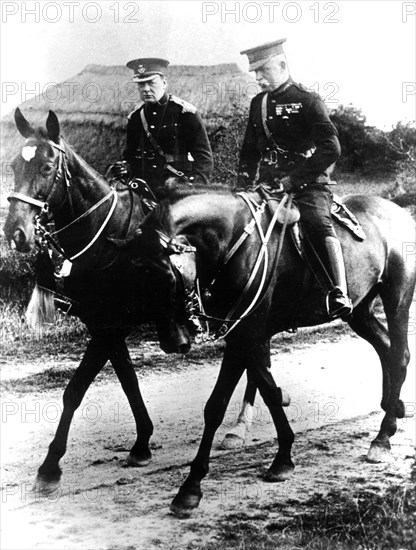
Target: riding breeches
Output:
{"points": [[315, 210]]}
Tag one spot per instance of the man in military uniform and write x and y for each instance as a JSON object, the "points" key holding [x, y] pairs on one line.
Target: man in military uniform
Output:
{"points": [[291, 143], [165, 134]]}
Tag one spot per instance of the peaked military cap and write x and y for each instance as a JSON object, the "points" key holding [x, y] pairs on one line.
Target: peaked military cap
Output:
{"points": [[260, 54], [147, 67]]}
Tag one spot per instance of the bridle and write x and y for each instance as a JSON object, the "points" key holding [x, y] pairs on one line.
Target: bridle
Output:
{"points": [[62, 170], [63, 175]]}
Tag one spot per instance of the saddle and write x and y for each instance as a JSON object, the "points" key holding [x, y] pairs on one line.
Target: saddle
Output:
{"points": [[146, 195], [339, 211]]}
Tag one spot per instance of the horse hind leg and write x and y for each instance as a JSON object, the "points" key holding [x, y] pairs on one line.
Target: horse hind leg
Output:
{"points": [[364, 322], [282, 466], [235, 438], [397, 298]]}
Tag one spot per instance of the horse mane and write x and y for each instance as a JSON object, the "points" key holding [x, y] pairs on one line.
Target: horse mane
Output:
{"points": [[87, 167], [160, 217], [181, 191]]}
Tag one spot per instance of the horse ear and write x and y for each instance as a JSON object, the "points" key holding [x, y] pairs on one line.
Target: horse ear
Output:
{"points": [[22, 124], [52, 125]]}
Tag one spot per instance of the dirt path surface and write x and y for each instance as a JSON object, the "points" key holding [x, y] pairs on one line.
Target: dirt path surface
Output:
{"points": [[335, 391]]}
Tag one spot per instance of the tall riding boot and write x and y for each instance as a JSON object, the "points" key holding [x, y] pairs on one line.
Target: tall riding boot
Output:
{"points": [[338, 303]]}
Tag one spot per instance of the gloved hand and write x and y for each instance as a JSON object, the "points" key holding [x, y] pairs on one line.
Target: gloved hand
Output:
{"points": [[243, 180], [118, 171], [287, 185]]}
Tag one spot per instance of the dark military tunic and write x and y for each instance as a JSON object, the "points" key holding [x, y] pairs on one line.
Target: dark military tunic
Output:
{"points": [[304, 147], [179, 131], [306, 139]]}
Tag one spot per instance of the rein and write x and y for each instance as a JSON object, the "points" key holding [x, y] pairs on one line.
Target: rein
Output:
{"points": [[263, 254], [44, 206], [257, 210]]}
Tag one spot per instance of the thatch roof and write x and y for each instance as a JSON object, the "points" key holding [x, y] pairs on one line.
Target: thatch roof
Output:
{"points": [[92, 108], [107, 93]]}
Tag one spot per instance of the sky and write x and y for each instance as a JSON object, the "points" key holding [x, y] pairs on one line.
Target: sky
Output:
{"points": [[351, 52]]}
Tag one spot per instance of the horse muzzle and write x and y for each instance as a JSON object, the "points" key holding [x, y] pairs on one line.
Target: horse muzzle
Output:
{"points": [[18, 238], [174, 339]]}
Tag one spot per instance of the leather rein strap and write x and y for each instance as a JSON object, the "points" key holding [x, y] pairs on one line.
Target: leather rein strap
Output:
{"points": [[262, 256]]}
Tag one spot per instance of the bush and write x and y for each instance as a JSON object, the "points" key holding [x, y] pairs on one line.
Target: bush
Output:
{"points": [[371, 151], [226, 140]]}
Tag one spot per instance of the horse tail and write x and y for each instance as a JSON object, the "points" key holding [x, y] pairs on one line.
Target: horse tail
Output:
{"points": [[40, 311]]}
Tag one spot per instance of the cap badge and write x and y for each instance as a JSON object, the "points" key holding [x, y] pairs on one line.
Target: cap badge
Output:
{"points": [[141, 69]]}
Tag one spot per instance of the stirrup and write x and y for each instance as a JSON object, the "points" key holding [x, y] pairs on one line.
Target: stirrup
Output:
{"points": [[338, 304]]}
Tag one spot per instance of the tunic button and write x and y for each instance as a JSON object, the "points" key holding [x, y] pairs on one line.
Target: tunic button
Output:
{"points": [[154, 166], [151, 126], [154, 113]]}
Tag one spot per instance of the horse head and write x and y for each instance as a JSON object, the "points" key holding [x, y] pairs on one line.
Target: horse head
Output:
{"points": [[173, 267], [38, 170]]}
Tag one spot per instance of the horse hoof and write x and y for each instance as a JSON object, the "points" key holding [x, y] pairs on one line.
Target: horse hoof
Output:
{"points": [[133, 461], [185, 503], [231, 441], [279, 473], [379, 453], [44, 486], [285, 398]]}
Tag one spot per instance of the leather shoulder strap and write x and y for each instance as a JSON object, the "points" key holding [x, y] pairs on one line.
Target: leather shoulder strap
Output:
{"points": [[264, 116], [157, 146]]}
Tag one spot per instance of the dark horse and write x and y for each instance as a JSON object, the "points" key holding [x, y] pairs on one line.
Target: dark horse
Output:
{"points": [[111, 294], [212, 222]]}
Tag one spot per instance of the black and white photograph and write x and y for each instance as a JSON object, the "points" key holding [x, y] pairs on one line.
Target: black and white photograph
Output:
{"points": [[207, 275]]}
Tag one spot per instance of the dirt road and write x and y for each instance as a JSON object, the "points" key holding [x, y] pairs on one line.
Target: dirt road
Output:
{"points": [[335, 413]]}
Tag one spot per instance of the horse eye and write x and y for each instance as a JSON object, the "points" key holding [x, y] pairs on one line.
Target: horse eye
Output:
{"points": [[47, 169]]}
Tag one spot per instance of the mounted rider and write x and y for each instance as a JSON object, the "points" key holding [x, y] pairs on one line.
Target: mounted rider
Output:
{"points": [[291, 143], [166, 136]]}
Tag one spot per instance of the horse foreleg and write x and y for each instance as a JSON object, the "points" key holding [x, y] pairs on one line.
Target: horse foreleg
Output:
{"points": [[95, 357], [190, 493], [140, 454]]}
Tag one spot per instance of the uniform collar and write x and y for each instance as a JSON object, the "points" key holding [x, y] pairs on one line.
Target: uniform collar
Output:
{"points": [[163, 99], [282, 88], [159, 104]]}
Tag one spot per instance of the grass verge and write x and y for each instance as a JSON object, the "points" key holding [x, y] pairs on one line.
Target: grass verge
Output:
{"points": [[360, 520]]}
